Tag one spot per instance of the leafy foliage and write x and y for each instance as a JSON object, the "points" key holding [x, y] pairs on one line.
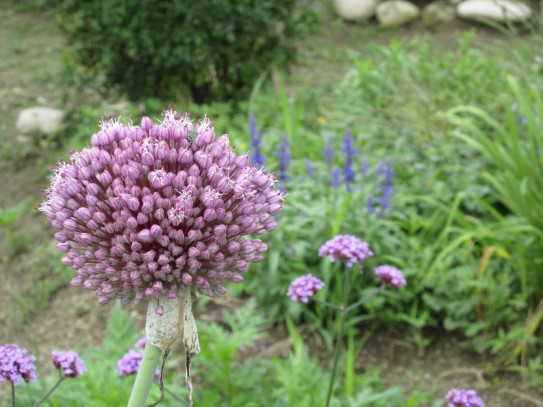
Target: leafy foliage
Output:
{"points": [[210, 50]]}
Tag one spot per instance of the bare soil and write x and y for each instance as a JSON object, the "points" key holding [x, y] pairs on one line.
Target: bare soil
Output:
{"points": [[30, 51]]}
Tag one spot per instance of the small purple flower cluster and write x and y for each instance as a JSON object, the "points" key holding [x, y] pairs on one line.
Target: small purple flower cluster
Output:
{"points": [[69, 361], [131, 361], [463, 398], [390, 275], [15, 365], [149, 210], [304, 287], [346, 247]]}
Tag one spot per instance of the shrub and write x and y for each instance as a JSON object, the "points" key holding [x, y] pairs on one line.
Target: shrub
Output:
{"points": [[209, 49]]}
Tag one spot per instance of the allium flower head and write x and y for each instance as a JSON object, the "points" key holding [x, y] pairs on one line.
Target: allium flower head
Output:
{"points": [[304, 287], [390, 275], [69, 361], [463, 398], [150, 209], [346, 247], [16, 365]]}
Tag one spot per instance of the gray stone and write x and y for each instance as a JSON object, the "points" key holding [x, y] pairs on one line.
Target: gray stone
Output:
{"points": [[438, 13], [355, 9], [494, 10], [39, 120], [393, 13]]}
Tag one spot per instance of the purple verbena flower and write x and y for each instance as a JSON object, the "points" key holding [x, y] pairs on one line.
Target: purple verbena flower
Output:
{"points": [[140, 344], [304, 287], [329, 152], [257, 158], [463, 398], [149, 210], [390, 275], [130, 362], [346, 247], [349, 152], [16, 365], [69, 361]]}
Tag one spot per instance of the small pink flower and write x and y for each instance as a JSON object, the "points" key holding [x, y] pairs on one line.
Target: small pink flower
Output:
{"points": [[69, 361], [304, 287], [346, 247], [390, 275]]}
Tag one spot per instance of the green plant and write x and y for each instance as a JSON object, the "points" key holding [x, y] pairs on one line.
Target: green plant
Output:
{"points": [[198, 49], [16, 240]]}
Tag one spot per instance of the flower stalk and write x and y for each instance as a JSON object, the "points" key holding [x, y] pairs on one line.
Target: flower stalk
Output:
{"points": [[145, 376], [60, 380]]}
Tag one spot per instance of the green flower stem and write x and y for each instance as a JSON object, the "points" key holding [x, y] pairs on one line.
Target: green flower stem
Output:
{"points": [[363, 300], [327, 304], [12, 395], [340, 335], [60, 380], [145, 376]]}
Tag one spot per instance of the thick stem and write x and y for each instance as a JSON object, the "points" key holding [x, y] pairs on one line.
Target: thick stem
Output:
{"points": [[12, 395], [61, 378], [347, 283], [145, 376]]}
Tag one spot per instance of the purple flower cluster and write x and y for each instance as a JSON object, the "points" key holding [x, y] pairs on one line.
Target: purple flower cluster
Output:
{"points": [[463, 398], [151, 209], [69, 361], [140, 344], [390, 275], [304, 287], [131, 361], [346, 247], [16, 365]]}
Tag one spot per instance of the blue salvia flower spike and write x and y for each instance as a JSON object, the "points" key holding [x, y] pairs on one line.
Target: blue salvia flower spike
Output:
{"points": [[256, 156]]}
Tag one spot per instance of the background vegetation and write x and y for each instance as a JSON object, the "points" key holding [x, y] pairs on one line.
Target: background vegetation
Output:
{"points": [[460, 121]]}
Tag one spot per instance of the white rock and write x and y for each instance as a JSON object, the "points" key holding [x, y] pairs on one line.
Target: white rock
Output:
{"points": [[39, 120], [438, 12], [355, 9], [495, 10], [394, 13]]}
